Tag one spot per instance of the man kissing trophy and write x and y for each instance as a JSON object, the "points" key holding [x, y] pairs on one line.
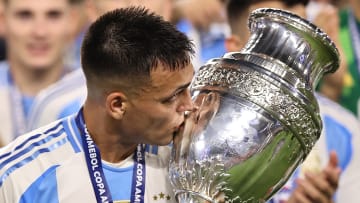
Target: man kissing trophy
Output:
{"points": [[257, 117]]}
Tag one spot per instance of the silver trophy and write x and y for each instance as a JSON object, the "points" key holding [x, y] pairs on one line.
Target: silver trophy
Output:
{"points": [[257, 117]]}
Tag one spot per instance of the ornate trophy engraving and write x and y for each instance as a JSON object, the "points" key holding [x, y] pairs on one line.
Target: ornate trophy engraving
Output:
{"points": [[257, 117]]}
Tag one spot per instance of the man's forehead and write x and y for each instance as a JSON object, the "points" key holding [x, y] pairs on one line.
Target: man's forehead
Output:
{"points": [[37, 5], [162, 76]]}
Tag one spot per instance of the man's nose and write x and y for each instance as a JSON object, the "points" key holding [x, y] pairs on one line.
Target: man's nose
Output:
{"points": [[40, 28], [187, 103]]}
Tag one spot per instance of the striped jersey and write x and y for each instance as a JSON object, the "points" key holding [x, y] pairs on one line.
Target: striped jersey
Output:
{"points": [[48, 165], [20, 114], [62, 99]]}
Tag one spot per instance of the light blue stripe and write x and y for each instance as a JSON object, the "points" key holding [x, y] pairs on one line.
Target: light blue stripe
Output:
{"points": [[70, 135], [119, 178], [338, 138], [43, 190], [71, 108], [30, 158], [28, 140], [30, 147]]}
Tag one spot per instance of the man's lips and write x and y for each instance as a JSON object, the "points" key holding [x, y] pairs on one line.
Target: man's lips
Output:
{"points": [[38, 49], [179, 128]]}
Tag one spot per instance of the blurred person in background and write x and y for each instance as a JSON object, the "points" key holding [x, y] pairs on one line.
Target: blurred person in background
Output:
{"points": [[88, 11], [350, 40], [341, 129], [78, 26], [204, 22], [325, 14], [36, 34], [67, 96], [99, 7]]}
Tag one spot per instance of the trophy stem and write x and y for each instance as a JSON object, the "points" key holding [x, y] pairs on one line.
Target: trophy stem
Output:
{"points": [[186, 196]]}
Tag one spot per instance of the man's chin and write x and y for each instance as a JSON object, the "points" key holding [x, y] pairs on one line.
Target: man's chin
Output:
{"points": [[164, 141]]}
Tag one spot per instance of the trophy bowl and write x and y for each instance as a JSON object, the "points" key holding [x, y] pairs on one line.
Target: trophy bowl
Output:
{"points": [[257, 118]]}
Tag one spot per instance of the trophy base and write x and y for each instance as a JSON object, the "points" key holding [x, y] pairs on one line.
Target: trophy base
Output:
{"points": [[186, 196]]}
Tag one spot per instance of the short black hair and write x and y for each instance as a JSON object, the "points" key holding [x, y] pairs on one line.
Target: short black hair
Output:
{"points": [[128, 43]]}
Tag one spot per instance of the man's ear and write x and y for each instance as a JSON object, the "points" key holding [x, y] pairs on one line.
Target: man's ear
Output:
{"points": [[116, 104], [233, 43]]}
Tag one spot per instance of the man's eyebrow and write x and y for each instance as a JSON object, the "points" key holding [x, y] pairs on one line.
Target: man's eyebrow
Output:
{"points": [[182, 87], [176, 91], [179, 89]]}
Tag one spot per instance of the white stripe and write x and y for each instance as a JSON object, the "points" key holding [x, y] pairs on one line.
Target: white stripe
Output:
{"points": [[18, 142], [20, 179]]}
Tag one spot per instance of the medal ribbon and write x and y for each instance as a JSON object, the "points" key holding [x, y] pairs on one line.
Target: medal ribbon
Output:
{"points": [[97, 176]]}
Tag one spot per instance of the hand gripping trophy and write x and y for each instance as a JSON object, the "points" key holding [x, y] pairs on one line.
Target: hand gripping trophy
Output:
{"points": [[257, 117]]}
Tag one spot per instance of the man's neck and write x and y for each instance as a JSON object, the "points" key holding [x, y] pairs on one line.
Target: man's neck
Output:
{"points": [[115, 152], [113, 147], [31, 81]]}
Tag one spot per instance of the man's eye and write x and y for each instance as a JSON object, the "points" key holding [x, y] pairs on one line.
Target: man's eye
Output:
{"points": [[23, 15], [54, 14], [172, 98]]}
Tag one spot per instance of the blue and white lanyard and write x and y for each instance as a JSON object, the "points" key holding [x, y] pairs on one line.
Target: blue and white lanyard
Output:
{"points": [[17, 110], [355, 36], [98, 180]]}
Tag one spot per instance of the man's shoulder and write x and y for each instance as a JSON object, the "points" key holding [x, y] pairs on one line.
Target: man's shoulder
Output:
{"points": [[35, 152], [67, 84], [59, 100]]}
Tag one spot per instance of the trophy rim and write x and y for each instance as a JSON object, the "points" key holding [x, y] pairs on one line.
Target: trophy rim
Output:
{"points": [[286, 15]]}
